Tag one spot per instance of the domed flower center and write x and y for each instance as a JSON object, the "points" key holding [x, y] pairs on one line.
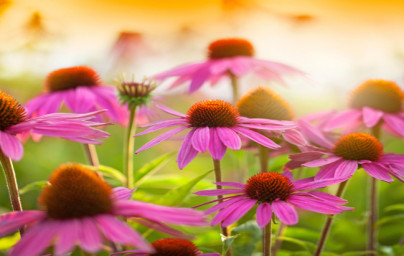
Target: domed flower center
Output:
{"points": [[358, 146], [212, 113], [264, 103], [268, 186], [75, 192], [378, 94], [174, 247], [228, 48], [70, 78], [11, 112]]}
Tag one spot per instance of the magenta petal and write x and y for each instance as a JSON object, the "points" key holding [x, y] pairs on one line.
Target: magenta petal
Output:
{"points": [[327, 197], [342, 118], [239, 212], [161, 138], [371, 116], [160, 227], [179, 71], [161, 125], [378, 172], [311, 183], [264, 214], [328, 171], [199, 78], [67, 236], [346, 169], [306, 156], [216, 192], [11, 146], [288, 174], [216, 148], [315, 205], [259, 138], [170, 111], [314, 134], [224, 204], [200, 139], [187, 152], [240, 65], [35, 240], [122, 193], [395, 122], [294, 137], [322, 161], [12, 221], [231, 184], [392, 158], [89, 236], [229, 138], [285, 212]]}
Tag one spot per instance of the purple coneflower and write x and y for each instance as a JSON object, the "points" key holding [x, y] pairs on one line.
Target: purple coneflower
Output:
{"points": [[274, 193], [14, 121], [169, 247], [215, 125], [372, 103], [79, 208], [80, 88], [232, 57]]}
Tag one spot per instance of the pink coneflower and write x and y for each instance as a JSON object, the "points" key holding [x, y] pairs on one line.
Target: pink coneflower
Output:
{"points": [[169, 247], [81, 90], [214, 125], [347, 154], [274, 193], [80, 209], [14, 121], [372, 103], [226, 58]]}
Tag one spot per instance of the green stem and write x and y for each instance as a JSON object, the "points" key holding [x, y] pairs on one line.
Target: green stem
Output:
{"points": [[264, 158], [328, 222], [267, 233], [129, 145], [12, 185], [91, 154], [218, 177], [234, 86], [278, 242]]}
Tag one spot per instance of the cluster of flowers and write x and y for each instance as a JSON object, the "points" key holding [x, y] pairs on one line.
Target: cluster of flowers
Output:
{"points": [[79, 208]]}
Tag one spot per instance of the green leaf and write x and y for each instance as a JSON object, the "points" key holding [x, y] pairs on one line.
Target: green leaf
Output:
{"points": [[358, 253], [227, 243], [8, 241], [108, 172], [178, 195], [149, 168], [37, 185], [247, 235], [388, 219], [306, 245], [394, 207]]}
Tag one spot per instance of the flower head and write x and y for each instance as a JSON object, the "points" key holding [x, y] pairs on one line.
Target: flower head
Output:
{"points": [[346, 155], [79, 208], [372, 103], [170, 247], [214, 125], [233, 56], [14, 121], [81, 90], [273, 193], [136, 94]]}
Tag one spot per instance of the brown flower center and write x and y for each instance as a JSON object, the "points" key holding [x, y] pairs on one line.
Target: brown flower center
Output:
{"points": [[70, 78], [268, 186], [358, 146], [75, 192], [212, 113], [264, 103], [378, 94], [228, 48], [174, 247], [11, 112]]}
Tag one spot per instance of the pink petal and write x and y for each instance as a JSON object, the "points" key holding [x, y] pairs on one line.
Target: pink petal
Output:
{"points": [[231, 184], [306, 156], [263, 121], [342, 118], [311, 183], [314, 134], [199, 78], [200, 139], [240, 65], [170, 111], [322, 161], [11, 222], [371, 116], [294, 137], [229, 138], [11, 146], [392, 158], [285, 212], [264, 214], [236, 214], [67, 236], [216, 148], [259, 138], [163, 124], [328, 171], [315, 205], [160, 227], [346, 169], [187, 152], [216, 192], [395, 122], [239, 209], [161, 138], [89, 236], [179, 71], [122, 193], [327, 197], [378, 172], [224, 204], [288, 174]]}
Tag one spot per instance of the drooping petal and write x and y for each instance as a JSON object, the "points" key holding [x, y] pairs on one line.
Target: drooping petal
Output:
{"points": [[241, 206], [259, 138], [294, 137], [346, 169], [264, 214], [68, 234], [322, 161], [315, 205], [170, 111], [324, 196], [394, 122], [342, 118], [378, 172], [240, 65], [161, 125], [216, 192], [371, 116], [187, 152], [200, 139], [314, 134], [328, 171], [285, 212], [288, 174], [160, 227], [161, 138], [239, 212], [12, 221], [11, 146], [231, 184], [392, 158], [229, 138], [311, 183], [89, 236], [224, 204], [216, 148], [199, 78], [179, 71]]}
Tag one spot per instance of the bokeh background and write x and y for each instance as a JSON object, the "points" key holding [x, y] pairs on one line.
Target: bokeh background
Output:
{"points": [[339, 43]]}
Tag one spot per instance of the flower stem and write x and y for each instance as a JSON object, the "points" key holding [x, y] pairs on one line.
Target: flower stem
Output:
{"points": [[264, 158], [129, 149], [278, 242], [328, 222], [91, 154], [267, 232], [12, 185], [234, 86], [218, 177]]}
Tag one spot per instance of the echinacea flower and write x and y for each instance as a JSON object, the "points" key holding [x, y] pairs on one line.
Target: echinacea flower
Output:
{"points": [[233, 56], [14, 121], [81, 90], [80, 209], [372, 103], [169, 247], [347, 154], [274, 193], [215, 125]]}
